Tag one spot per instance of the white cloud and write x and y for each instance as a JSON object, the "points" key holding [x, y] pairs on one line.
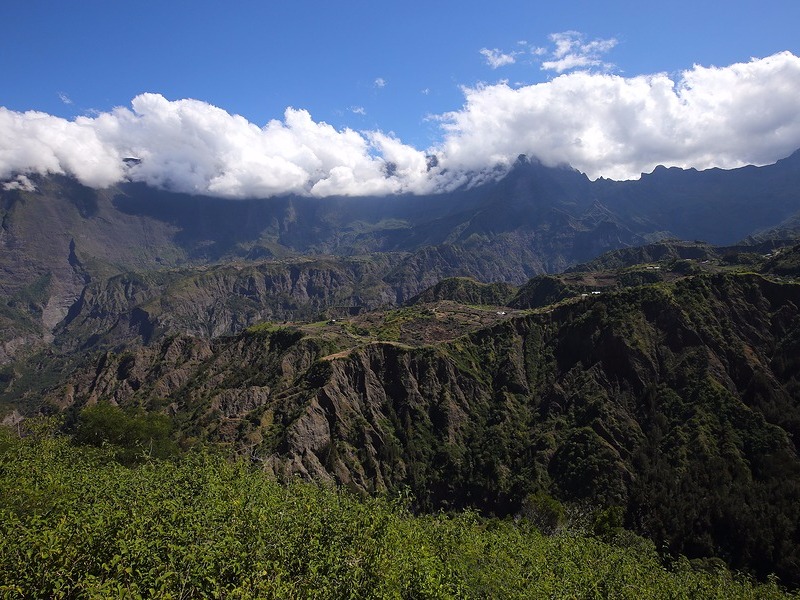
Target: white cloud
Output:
{"points": [[602, 124], [358, 110], [191, 146], [496, 58], [571, 52], [620, 127], [20, 182], [380, 82], [37, 142], [64, 98]]}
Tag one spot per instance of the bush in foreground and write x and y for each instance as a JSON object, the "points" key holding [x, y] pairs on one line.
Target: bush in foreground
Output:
{"points": [[74, 523]]}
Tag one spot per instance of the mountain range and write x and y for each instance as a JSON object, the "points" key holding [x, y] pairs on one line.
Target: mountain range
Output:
{"points": [[538, 334], [63, 242]]}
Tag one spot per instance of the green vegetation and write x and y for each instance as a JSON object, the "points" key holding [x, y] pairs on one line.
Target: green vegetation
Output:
{"points": [[266, 327], [659, 398], [74, 523], [784, 262], [467, 291], [132, 436], [20, 313]]}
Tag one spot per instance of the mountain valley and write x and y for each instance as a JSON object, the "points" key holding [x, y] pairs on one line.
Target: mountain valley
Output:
{"points": [[538, 336]]}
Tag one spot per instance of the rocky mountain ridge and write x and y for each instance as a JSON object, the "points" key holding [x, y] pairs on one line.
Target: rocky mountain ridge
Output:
{"points": [[66, 246]]}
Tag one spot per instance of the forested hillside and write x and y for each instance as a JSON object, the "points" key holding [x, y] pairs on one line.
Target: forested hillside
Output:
{"points": [[66, 245]]}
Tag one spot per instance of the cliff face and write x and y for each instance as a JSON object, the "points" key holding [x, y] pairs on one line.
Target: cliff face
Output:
{"points": [[679, 404], [223, 299], [591, 363], [615, 399], [54, 241], [80, 264]]}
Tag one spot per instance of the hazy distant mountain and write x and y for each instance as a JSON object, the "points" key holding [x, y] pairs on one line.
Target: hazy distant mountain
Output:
{"points": [[63, 237]]}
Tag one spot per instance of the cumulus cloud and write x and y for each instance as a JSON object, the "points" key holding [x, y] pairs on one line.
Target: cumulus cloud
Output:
{"points": [[572, 52], [380, 82], [496, 58], [37, 142], [600, 123], [191, 146], [608, 125]]}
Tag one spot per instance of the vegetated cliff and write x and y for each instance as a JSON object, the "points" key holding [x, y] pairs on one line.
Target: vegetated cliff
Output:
{"points": [[670, 250], [663, 250], [54, 241], [676, 401], [224, 299], [78, 259], [465, 290], [784, 262]]}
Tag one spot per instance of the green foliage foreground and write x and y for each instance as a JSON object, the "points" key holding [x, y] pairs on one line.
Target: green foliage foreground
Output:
{"points": [[74, 523]]}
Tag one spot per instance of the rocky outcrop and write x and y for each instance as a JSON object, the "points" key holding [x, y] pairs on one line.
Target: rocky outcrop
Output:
{"points": [[221, 300]]}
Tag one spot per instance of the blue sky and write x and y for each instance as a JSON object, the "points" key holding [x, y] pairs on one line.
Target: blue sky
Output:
{"points": [[366, 65]]}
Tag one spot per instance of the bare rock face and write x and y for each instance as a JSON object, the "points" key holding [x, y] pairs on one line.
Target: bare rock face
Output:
{"points": [[153, 372], [235, 402], [11, 348], [221, 300], [12, 419], [58, 237]]}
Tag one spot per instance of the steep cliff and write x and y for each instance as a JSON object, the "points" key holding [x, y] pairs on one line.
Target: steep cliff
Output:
{"points": [[223, 299]]}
